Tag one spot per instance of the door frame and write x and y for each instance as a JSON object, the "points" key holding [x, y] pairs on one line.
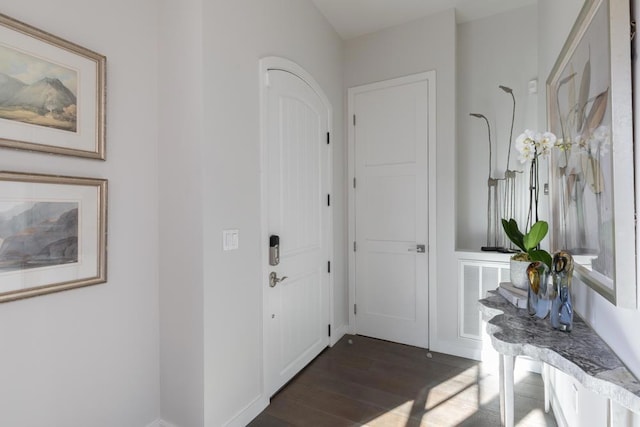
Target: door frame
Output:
{"points": [[430, 77], [267, 64]]}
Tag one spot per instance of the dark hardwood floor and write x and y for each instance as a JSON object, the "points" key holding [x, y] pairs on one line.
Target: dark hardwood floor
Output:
{"points": [[367, 382]]}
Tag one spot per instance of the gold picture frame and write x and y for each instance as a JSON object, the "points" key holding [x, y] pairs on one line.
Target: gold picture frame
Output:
{"points": [[53, 232], [52, 93]]}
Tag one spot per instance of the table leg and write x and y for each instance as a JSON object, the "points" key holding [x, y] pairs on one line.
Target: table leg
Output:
{"points": [[618, 415], [545, 382], [501, 386], [509, 362], [506, 390]]}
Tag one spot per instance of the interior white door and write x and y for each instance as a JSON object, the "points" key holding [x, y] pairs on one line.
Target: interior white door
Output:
{"points": [[391, 212], [298, 212]]}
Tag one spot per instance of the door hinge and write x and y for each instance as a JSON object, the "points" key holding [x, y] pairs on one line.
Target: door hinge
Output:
{"points": [[328, 138], [354, 119], [355, 309], [354, 182], [328, 266], [354, 246], [329, 329], [328, 199]]}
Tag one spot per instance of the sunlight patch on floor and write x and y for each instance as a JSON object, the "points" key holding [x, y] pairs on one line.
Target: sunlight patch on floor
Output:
{"points": [[454, 401], [534, 417]]}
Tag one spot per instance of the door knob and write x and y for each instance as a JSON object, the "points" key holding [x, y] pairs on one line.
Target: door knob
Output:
{"points": [[274, 279], [419, 248]]}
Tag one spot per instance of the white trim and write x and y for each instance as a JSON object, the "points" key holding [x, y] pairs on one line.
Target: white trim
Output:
{"points": [[430, 77], [454, 349], [249, 412], [283, 64], [481, 265], [338, 333], [556, 407]]}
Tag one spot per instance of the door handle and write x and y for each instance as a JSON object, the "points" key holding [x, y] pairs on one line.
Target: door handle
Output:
{"points": [[274, 279], [419, 248]]}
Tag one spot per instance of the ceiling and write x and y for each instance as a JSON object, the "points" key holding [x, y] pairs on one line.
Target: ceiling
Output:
{"points": [[353, 18]]}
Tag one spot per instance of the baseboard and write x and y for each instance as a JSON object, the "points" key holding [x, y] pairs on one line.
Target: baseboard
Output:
{"points": [[528, 364], [241, 419], [337, 334], [456, 350], [248, 413]]}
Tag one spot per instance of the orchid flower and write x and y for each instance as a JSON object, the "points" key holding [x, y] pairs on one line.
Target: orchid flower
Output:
{"points": [[530, 144]]}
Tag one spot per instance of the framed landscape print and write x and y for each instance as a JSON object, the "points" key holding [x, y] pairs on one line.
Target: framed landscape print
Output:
{"points": [[52, 93], [52, 233], [592, 172]]}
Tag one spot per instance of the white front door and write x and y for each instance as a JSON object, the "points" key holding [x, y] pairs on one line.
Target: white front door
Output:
{"points": [[297, 189], [390, 134]]}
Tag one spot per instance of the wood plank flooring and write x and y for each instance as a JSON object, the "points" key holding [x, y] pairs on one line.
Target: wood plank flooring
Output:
{"points": [[367, 382]]}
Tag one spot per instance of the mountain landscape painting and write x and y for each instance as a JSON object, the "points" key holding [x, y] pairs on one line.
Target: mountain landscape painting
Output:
{"points": [[37, 234], [36, 91]]}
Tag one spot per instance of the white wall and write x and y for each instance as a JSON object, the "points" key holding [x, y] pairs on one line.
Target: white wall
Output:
{"points": [[89, 357], [221, 167], [180, 148], [492, 51], [614, 325], [422, 45]]}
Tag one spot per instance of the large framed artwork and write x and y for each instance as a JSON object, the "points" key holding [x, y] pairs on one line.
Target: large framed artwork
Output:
{"points": [[52, 233], [52, 93], [592, 171]]}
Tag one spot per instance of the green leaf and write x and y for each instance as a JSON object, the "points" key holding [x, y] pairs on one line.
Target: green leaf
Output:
{"points": [[513, 233], [541, 255], [533, 238]]}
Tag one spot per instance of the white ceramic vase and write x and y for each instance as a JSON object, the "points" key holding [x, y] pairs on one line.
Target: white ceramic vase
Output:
{"points": [[518, 272]]}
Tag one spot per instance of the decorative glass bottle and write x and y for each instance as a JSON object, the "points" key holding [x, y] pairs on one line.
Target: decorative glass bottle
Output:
{"points": [[538, 301], [562, 307]]}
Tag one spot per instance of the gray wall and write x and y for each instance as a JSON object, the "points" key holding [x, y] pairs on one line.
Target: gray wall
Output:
{"points": [[423, 45], [181, 218], [183, 164], [212, 329], [89, 357], [613, 324], [492, 51]]}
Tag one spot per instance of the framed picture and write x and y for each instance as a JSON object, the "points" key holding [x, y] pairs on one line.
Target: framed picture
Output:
{"points": [[592, 171], [52, 93], [53, 233]]}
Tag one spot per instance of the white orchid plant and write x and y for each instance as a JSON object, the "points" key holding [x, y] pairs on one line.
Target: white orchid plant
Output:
{"points": [[531, 146]]}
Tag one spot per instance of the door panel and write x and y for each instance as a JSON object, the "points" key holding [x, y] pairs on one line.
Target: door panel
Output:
{"points": [[297, 175], [392, 198], [391, 212], [387, 269]]}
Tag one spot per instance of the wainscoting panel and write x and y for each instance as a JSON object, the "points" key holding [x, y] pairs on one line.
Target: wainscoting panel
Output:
{"points": [[476, 276]]}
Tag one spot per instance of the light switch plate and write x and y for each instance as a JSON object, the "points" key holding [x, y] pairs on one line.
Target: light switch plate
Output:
{"points": [[230, 239]]}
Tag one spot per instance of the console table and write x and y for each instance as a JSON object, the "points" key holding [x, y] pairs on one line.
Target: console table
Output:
{"points": [[581, 354]]}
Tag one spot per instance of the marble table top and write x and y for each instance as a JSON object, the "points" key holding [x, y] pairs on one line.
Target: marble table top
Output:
{"points": [[580, 353]]}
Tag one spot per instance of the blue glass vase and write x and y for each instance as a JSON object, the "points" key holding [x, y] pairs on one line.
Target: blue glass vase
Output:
{"points": [[562, 306], [539, 301]]}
